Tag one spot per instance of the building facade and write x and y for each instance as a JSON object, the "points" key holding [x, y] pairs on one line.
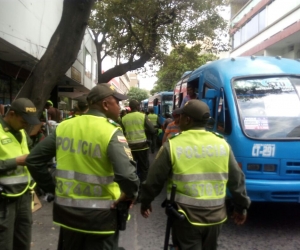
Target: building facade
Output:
{"points": [[265, 28], [26, 28]]}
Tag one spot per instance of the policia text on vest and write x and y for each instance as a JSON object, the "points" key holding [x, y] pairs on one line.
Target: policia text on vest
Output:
{"points": [[78, 146]]}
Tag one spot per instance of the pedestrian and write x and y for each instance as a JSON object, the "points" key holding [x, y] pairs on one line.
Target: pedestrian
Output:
{"points": [[80, 108], [191, 94], [15, 181], [202, 165], [155, 122], [95, 171], [53, 113], [135, 125], [173, 127]]}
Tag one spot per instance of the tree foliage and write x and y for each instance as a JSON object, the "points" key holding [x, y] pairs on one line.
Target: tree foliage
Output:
{"points": [[180, 60], [137, 94], [135, 32]]}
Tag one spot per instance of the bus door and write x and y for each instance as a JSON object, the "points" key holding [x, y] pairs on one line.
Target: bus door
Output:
{"points": [[219, 110], [156, 106]]}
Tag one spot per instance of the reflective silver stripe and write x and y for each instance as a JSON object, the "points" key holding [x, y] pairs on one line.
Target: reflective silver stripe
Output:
{"points": [[197, 202], [14, 180], [136, 132], [92, 179], [200, 177], [83, 203]]}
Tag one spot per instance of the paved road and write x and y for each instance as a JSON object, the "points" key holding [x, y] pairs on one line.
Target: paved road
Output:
{"points": [[269, 227]]}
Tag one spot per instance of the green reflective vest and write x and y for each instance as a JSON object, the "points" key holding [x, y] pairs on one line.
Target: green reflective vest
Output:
{"points": [[153, 118], [200, 171], [84, 174], [17, 181], [134, 127]]}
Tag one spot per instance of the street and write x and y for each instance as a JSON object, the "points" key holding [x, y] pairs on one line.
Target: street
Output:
{"points": [[273, 226]]}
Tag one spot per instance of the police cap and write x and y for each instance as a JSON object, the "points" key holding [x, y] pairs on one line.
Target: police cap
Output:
{"points": [[196, 109], [102, 91], [26, 109]]}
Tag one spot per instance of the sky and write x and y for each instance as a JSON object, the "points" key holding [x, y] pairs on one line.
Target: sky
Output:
{"points": [[147, 83]]}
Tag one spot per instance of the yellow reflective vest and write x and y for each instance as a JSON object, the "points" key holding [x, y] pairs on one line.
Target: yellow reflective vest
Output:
{"points": [[200, 171], [84, 175], [134, 124], [16, 182], [153, 118]]}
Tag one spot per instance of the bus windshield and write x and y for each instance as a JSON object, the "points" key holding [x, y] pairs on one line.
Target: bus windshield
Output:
{"points": [[269, 108], [167, 104]]}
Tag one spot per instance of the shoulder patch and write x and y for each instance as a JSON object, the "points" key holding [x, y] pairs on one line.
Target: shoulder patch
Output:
{"points": [[113, 122], [219, 135], [175, 135]]}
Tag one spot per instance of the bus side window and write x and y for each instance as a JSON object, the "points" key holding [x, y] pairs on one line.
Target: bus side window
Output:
{"points": [[180, 99], [223, 117]]}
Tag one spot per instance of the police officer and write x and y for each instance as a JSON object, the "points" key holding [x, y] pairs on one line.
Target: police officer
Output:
{"points": [[95, 171], [155, 122], [202, 165], [135, 125], [15, 180]]}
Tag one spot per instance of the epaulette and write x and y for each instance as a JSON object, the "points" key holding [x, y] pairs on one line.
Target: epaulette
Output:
{"points": [[113, 122], [175, 135], [219, 135]]}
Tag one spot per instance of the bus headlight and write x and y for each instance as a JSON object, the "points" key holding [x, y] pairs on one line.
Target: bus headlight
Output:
{"points": [[253, 167], [270, 167]]}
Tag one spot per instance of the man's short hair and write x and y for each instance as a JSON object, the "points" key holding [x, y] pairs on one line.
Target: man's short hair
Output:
{"points": [[134, 104]]}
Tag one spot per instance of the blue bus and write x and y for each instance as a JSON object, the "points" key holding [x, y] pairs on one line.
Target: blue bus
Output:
{"points": [[255, 104], [162, 104], [144, 105]]}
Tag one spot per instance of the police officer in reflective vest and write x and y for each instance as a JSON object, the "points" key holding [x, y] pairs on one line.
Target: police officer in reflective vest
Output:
{"points": [[155, 122], [95, 170], [202, 165], [135, 125], [15, 180]]}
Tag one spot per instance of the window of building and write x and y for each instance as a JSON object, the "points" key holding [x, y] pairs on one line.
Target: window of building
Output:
{"points": [[250, 29], [88, 64], [262, 20], [95, 71]]}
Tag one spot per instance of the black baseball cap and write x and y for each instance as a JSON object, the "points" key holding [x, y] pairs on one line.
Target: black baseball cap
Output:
{"points": [[196, 109], [102, 91], [26, 109]]}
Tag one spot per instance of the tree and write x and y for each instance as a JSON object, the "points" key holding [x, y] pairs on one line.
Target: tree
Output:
{"points": [[180, 60], [135, 32], [61, 52], [137, 94]]}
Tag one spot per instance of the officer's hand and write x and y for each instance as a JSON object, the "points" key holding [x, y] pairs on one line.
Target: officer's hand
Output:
{"points": [[123, 197], [239, 219], [145, 212], [21, 160]]}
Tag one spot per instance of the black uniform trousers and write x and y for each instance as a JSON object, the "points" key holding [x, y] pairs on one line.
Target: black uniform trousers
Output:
{"points": [[142, 159], [73, 240], [15, 222], [189, 237]]}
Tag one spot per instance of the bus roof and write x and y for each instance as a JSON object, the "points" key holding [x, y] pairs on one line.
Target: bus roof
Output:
{"points": [[246, 66], [163, 93]]}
